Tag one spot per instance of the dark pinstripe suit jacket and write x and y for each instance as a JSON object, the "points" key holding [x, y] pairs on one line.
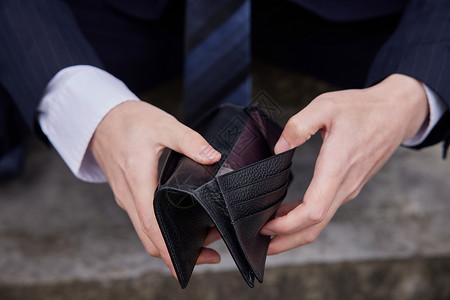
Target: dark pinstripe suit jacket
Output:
{"points": [[40, 37]]}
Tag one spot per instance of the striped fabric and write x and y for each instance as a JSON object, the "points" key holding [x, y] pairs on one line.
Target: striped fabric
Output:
{"points": [[419, 48], [37, 39], [217, 55]]}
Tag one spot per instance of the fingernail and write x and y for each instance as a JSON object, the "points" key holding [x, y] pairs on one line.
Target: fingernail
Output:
{"points": [[267, 231], [215, 260], [209, 153], [282, 145]]}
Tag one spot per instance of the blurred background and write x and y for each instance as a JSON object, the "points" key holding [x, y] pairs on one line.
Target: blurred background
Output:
{"points": [[61, 238]]}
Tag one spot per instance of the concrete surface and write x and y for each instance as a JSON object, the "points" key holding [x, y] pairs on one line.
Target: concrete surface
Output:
{"points": [[64, 239]]}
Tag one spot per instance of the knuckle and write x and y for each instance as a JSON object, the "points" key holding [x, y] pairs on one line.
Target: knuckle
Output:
{"points": [[354, 194], [317, 215], [185, 137], [194, 138], [152, 251], [146, 225], [309, 237], [275, 250], [317, 207], [328, 98], [285, 225], [294, 125], [188, 139], [329, 101], [120, 203]]}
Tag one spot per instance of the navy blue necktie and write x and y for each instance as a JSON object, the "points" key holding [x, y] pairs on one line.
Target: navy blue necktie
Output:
{"points": [[217, 55]]}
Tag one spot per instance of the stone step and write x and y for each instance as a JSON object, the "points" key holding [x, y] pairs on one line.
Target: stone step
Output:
{"points": [[410, 279]]}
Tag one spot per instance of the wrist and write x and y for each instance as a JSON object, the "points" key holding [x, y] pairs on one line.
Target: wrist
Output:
{"points": [[406, 96]]}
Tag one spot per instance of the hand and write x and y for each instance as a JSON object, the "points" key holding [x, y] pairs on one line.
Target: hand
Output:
{"points": [[127, 145], [361, 129]]}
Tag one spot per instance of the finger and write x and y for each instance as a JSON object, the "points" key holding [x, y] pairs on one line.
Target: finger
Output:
{"points": [[318, 199], [190, 143], [148, 245], [151, 249], [291, 241], [309, 213], [213, 235], [306, 236], [301, 127], [285, 208], [120, 185], [208, 256], [142, 179], [124, 198]]}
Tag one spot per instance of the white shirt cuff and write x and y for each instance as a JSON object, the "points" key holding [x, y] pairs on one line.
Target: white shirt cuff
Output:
{"points": [[437, 109], [74, 103]]}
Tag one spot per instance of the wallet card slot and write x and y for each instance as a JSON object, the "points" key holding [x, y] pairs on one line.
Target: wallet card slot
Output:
{"points": [[273, 193], [257, 171], [253, 243], [269, 208], [257, 204], [258, 188]]}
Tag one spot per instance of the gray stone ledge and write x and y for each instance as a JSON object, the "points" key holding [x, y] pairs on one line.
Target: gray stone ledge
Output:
{"points": [[412, 279]]}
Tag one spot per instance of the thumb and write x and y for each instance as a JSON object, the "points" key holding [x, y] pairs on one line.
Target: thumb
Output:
{"points": [[190, 143], [301, 127]]}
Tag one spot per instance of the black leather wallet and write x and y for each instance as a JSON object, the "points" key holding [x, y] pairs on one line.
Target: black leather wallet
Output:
{"points": [[237, 195]]}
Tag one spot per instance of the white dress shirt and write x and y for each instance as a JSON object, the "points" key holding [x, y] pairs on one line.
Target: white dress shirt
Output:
{"points": [[74, 103], [78, 97]]}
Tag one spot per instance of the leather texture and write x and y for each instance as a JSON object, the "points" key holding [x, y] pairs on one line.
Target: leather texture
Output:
{"points": [[237, 195]]}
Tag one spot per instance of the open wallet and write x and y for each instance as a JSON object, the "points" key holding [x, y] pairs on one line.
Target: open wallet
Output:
{"points": [[238, 194]]}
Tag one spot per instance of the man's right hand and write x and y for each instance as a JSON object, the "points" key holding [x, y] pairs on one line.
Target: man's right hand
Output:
{"points": [[127, 145]]}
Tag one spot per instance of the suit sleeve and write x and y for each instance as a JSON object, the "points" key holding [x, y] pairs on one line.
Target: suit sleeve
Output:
{"points": [[38, 38], [420, 48]]}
